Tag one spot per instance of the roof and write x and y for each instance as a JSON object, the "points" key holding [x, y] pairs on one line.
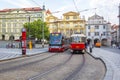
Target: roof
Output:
{"points": [[115, 26], [81, 35], [48, 12], [25, 9], [95, 16]]}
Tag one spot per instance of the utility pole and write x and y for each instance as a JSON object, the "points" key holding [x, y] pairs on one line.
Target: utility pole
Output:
{"points": [[43, 26]]}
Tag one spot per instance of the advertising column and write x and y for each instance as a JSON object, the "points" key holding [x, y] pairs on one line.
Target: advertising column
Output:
{"points": [[23, 41]]}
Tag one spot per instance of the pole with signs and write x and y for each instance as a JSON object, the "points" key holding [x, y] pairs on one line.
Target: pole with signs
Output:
{"points": [[23, 41]]}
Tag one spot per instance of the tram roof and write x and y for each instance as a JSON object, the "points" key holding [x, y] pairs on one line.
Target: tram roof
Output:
{"points": [[82, 35]]}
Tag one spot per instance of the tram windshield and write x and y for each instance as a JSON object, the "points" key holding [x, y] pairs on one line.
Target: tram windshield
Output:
{"points": [[78, 39], [55, 38]]}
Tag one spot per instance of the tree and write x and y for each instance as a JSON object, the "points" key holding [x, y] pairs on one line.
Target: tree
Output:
{"points": [[34, 29]]}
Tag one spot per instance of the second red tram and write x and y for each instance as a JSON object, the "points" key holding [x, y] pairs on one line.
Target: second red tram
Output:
{"points": [[57, 42], [78, 43]]}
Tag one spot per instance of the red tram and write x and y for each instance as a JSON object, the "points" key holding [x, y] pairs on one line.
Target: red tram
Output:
{"points": [[57, 42], [78, 43]]}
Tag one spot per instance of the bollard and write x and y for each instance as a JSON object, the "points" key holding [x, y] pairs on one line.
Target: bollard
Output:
{"points": [[23, 51], [30, 44]]}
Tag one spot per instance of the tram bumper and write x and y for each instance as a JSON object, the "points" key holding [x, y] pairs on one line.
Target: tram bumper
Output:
{"points": [[77, 50]]}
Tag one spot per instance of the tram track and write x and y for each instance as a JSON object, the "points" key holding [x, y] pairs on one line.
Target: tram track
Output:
{"points": [[77, 70], [32, 68], [50, 70], [60, 66], [13, 66], [72, 74]]}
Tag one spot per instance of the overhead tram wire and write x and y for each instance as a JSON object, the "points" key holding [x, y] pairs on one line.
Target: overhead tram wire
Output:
{"points": [[75, 6], [88, 9], [35, 3]]}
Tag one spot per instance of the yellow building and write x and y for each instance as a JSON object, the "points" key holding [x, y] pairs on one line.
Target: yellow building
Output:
{"points": [[71, 23], [12, 20]]}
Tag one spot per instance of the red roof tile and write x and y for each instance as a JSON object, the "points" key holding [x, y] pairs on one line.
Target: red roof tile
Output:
{"points": [[48, 12], [26, 9]]}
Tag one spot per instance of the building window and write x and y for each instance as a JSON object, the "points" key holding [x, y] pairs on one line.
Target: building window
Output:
{"points": [[14, 25], [67, 17], [75, 31], [74, 17], [96, 33], [88, 33], [14, 30], [3, 20], [88, 27], [104, 33], [104, 27], [3, 25], [67, 25], [67, 31], [81, 31], [39, 15], [99, 22], [3, 30], [3, 16], [97, 27], [61, 25], [9, 30], [8, 24]]}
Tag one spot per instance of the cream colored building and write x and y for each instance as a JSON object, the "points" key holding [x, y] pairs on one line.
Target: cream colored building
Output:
{"points": [[12, 20], [71, 23]]}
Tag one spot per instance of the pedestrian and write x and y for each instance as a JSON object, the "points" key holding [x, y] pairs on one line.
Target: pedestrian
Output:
{"points": [[114, 46], [90, 46]]}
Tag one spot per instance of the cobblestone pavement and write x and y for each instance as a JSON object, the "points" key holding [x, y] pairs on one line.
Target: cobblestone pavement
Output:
{"points": [[111, 59], [13, 53], [112, 62]]}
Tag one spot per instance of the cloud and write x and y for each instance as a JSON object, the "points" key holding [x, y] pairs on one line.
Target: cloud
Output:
{"points": [[107, 9]]}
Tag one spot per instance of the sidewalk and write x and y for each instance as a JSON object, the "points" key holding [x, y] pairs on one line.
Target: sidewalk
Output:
{"points": [[112, 62], [14, 53]]}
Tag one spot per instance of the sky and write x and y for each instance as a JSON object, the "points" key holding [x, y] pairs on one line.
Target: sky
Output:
{"points": [[105, 8]]}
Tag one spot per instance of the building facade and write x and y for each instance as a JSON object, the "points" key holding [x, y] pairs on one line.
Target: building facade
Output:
{"points": [[115, 33], [70, 23], [97, 29], [12, 20]]}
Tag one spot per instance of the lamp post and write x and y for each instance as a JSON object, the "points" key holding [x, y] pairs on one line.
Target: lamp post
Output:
{"points": [[43, 26], [28, 18], [29, 27], [29, 41]]}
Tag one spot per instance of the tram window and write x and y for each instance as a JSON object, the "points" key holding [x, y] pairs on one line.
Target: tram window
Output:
{"points": [[56, 34], [83, 39]]}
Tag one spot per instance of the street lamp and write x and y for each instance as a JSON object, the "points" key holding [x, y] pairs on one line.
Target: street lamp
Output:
{"points": [[29, 27], [43, 26], [29, 41], [28, 17]]}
